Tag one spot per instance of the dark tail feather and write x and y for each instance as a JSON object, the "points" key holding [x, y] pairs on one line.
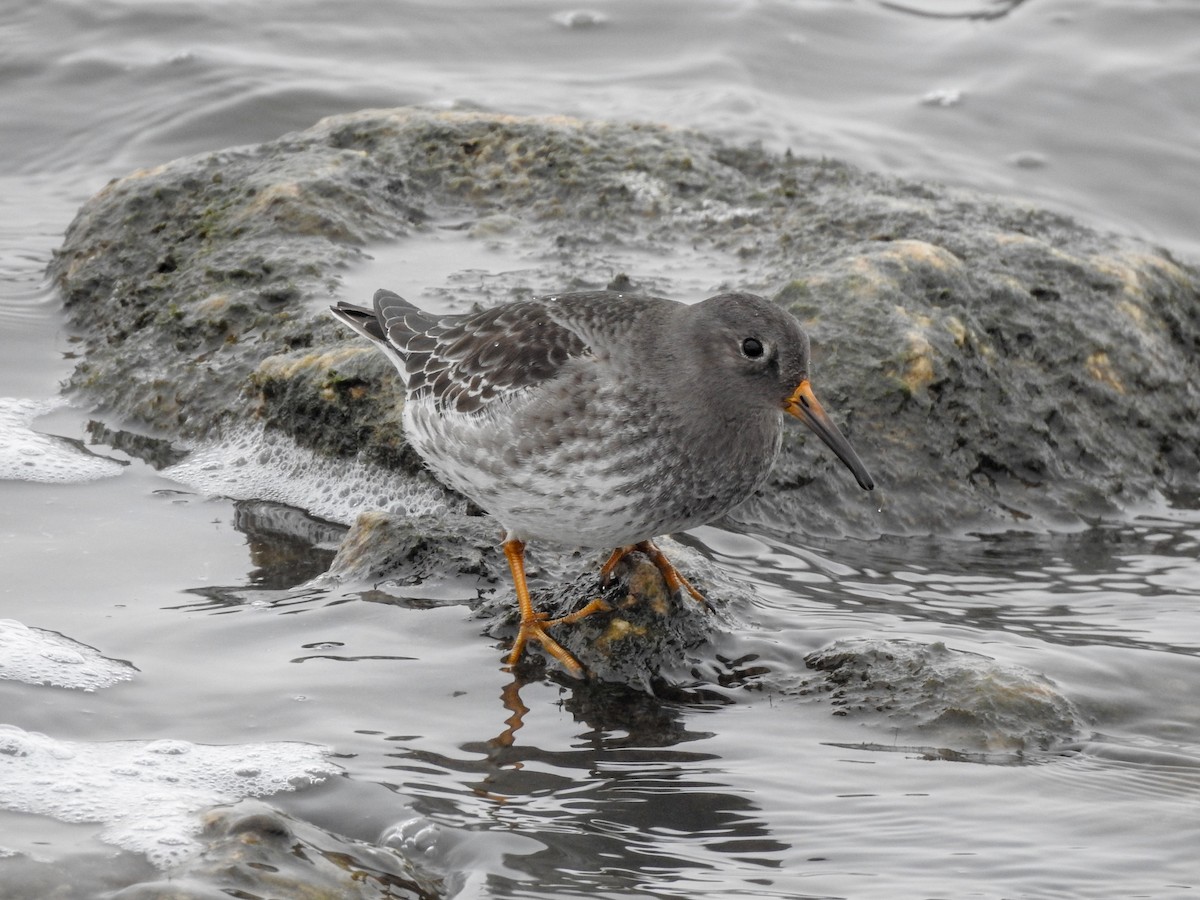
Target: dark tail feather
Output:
{"points": [[360, 319]]}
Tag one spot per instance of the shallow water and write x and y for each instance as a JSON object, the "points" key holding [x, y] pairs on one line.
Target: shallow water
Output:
{"points": [[533, 790], [750, 795]]}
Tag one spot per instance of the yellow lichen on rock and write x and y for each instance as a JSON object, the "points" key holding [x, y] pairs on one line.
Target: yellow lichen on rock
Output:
{"points": [[1100, 368], [923, 253], [918, 370], [288, 367], [619, 630], [919, 373]]}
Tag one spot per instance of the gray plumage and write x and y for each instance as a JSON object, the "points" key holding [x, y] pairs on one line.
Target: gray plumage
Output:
{"points": [[600, 419]]}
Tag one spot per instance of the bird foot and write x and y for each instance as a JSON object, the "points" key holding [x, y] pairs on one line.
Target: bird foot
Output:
{"points": [[671, 575], [534, 624], [534, 629]]}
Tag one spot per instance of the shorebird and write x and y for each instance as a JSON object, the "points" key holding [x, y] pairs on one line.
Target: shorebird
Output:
{"points": [[599, 419]]}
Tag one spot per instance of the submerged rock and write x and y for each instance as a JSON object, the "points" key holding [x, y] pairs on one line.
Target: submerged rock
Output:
{"points": [[249, 849], [413, 549], [949, 703], [647, 640], [917, 697], [256, 848], [996, 365]]}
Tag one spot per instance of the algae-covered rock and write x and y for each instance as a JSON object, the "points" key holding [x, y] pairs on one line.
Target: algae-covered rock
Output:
{"points": [[996, 366], [252, 850], [248, 849], [948, 702], [412, 549], [647, 639]]}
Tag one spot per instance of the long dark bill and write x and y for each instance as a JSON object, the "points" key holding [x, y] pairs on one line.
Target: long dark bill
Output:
{"points": [[804, 405]]}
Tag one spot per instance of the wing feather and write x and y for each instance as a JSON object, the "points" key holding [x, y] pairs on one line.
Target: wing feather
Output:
{"points": [[466, 362]]}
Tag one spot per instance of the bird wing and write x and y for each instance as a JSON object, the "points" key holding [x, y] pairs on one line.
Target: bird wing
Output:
{"points": [[466, 362]]}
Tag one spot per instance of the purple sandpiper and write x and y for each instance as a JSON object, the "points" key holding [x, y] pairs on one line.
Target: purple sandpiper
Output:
{"points": [[599, 419]]}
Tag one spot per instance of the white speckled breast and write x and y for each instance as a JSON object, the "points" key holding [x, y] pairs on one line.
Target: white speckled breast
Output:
{"points": [[582, 463]]}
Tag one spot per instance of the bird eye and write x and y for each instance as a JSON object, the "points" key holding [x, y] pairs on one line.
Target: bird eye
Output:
{"points": [[752, 348]]}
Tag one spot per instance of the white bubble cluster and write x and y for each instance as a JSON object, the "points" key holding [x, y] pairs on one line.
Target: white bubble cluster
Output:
{"points": [[580, 18], [35, 656], [28, 455], [146, 794], [253, 463], [417, 836]]}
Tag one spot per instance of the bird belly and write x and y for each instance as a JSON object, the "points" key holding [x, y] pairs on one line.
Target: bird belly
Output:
{"points": [[594, 479]]}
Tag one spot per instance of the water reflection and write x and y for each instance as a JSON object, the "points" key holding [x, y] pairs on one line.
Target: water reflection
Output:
{"points": [[624, 800], [231, 598], [287, 546]]}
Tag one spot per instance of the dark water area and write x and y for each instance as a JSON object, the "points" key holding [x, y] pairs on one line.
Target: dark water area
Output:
{"points": [[149, 624]]}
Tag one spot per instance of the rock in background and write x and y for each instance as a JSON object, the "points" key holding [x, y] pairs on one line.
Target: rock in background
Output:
{"points": [[996, 366]]}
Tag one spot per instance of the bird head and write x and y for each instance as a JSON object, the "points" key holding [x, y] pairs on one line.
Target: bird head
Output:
{"points": [[763, 354]]}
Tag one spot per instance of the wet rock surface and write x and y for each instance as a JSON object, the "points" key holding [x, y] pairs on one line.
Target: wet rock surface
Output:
{"points": [[648, 639], [250, 850], [413, 549], [942, 702], [997, 366], [666, 645]]}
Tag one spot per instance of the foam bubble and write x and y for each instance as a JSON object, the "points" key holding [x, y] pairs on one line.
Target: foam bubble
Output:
{"points": [[580, 18], [28, 455], [254, 463], [417, 836], [35, 656], [146, 794]]}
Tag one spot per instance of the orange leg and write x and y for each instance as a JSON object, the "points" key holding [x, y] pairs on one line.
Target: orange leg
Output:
{"points": [[534, 624], [607, 569], [671, 575]]}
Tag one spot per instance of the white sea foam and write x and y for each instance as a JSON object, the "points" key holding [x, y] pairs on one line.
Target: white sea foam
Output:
{"points": [[35, 656], [146, 794], [28, 455], [253, 463]]}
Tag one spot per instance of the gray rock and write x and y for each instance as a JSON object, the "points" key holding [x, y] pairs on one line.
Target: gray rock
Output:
{"points": [[946, 703], [413, 549], [656, 643], [997, 366], [253, 850], [923, 698], [648, 640], [250, 849]]}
